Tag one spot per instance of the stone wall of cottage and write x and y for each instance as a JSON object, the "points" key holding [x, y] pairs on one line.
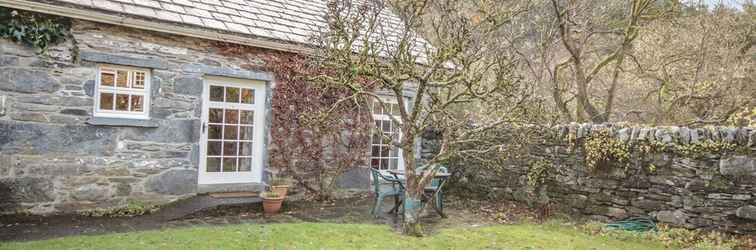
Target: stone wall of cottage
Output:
{"points": [[51, 160], [693, 190]]}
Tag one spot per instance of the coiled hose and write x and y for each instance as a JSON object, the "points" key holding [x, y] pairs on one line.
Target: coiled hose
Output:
{"points": [[633, 224]]}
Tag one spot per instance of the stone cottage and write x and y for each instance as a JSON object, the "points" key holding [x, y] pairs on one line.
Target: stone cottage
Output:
{"points": [[137, 104]]}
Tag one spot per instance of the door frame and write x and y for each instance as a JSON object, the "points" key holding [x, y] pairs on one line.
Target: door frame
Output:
{"points": [[258, 138]]}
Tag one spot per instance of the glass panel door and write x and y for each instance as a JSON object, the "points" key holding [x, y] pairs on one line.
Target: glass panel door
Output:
{"points": [[231, 136]]}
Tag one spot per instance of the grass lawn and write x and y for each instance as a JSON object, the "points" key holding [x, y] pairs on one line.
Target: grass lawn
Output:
{"points": [[340, 236]]}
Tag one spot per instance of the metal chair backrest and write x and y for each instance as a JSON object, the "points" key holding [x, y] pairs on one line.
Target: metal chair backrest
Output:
{"points": [[377, 177]]}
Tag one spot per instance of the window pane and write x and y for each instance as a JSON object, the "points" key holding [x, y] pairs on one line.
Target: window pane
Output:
{"points": [[248, 96], [214, 131], [122, 79], [138, 80], [247, 117], [122, 102], [394, 163], [136, 103], [376, 152], [106, 101], [386, 126], [376, 139], [245, 164], [245, 133], [231, 132], [213, 164], [394, 152], [246, 149], [232, 116], [229, 148], [384, 151], [232, 95], [384, 164], [216, 93], [107, 78], [216, 116], [229, 164], [214, 148]]}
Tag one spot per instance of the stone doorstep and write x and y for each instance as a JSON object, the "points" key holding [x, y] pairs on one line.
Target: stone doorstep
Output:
{"points": [[233, 194], [253, 187], [194, 204]]}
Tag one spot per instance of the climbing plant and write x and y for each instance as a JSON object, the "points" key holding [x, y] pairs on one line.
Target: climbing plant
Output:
{"points": [[32, 29], [317, 133], [538, 172], [603, 150]]}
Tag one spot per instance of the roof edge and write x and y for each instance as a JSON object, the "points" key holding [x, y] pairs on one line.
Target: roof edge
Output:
{"points": [[96, 16]]}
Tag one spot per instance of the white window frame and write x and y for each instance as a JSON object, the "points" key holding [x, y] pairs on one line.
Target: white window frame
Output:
{"points": [[258, 143], [145, 93], [382, 117]]}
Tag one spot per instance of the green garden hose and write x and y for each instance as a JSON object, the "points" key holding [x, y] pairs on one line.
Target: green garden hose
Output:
{"points": [[634, 224]]}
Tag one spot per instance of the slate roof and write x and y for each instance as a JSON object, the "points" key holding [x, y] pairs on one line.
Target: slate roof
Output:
{"points": [[285, 20]]}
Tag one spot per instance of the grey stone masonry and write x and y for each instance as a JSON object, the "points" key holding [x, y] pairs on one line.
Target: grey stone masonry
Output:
{"points": [[55, 157], [705, 189]]}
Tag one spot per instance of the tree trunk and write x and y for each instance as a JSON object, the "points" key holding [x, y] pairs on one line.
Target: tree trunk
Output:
{"points": [[412, 209], [414, 192], [582, 94]]}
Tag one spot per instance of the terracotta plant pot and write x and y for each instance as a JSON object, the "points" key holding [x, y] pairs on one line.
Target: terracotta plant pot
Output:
{"points": [[272, 205], [281, 190]]}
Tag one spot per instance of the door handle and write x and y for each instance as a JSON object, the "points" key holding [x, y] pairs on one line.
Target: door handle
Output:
{"points": [[204, 127]]}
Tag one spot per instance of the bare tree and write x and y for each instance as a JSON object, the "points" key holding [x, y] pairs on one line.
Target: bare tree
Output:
{"points": [[575, 32], [696, 67], [445, 86]]}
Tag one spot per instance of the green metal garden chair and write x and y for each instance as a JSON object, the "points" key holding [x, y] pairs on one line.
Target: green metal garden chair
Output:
{"points": [[396, 190], [433, 187]]}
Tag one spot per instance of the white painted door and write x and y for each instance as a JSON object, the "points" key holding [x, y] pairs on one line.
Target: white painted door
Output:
{"points": [[231, 133]]}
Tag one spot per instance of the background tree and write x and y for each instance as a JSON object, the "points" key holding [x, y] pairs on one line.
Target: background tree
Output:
{"points": [[695, 68], [464, 74], [661, 62]]}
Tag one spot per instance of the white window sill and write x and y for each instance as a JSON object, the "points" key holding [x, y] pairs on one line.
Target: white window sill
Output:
{"points": [[122, 122]]}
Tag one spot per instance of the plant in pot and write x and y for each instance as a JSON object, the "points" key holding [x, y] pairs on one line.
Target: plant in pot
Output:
{"points": [[279, 185], [271, 202]]}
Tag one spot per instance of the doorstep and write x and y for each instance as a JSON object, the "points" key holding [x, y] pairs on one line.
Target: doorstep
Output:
{"points": [[251, 187], [234, 194]]}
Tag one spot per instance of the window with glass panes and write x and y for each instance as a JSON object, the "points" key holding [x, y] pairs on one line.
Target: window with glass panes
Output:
{"points": [[230, 129], [122, 92], [385, 156]]}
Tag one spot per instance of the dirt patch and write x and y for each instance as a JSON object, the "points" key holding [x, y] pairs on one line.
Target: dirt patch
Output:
{"points": [[349, 210]]}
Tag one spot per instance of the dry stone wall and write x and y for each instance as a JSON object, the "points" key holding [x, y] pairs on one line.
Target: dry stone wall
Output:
{"points": [[678, 180]]}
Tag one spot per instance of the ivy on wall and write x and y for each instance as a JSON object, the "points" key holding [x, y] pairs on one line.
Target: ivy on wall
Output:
{"points": [[603, 150], [318, 132], [538, 171], [32, 29]]}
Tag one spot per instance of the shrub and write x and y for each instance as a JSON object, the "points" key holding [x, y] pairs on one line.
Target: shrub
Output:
{"points": [[133, 208]]}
